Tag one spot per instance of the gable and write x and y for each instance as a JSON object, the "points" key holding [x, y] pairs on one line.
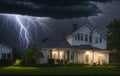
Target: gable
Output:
{"points": [[89, 28]]}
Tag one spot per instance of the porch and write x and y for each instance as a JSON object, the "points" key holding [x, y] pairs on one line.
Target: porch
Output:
{"points": [[81, 56]]}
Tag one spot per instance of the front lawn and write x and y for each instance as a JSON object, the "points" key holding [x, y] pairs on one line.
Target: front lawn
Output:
{"points": [[107, 70]]}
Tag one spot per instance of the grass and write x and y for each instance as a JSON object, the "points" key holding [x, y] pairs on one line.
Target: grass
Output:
{"points": [[84, 70]]}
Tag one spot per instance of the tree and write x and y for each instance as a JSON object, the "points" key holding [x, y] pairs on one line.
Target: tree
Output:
{"points": [[31, 54], [113, 35], [15, 54], [74, 27]]}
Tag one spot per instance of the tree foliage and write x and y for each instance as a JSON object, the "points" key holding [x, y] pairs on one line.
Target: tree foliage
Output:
{"points": [[74, 27], [15, 54], [32, 53], [113, 35]]}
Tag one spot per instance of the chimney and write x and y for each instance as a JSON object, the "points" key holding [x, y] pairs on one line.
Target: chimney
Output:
{"points": [[74, 27]]}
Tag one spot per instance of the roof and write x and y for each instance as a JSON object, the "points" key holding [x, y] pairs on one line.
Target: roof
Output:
{"points": [[85, 47], [93, 27], [49, 44], [5, 46], [65, 44]]}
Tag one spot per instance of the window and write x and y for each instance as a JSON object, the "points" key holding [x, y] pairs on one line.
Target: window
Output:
{"points": [[96, 40], [75, 36], [81, 37], [78, 36], [9, 56], [3, 55], [86, 37], [90, 38], [100, 39]]}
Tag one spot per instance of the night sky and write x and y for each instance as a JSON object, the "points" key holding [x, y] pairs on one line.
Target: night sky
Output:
{"points": [[52, 18]]}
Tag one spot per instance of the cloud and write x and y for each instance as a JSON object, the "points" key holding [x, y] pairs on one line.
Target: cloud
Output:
{"points": [[58, 9]]}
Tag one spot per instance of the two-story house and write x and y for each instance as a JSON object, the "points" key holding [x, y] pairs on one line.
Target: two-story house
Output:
{"points": [[85, 45]]}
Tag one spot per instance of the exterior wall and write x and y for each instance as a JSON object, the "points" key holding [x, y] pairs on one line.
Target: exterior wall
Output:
{"points": [[101, 45], [69, 39], [43, 60], [86, 30], [83, 30]]}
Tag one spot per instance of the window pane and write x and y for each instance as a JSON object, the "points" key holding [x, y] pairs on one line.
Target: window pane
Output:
{"points": [[3, 55], [81, 37], [96, 40], [75, 37], [100, 40], [90, 38], [86, 37], [8, 56], [78, 36]]}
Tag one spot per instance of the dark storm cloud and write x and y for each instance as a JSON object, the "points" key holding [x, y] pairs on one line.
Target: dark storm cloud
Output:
{"points": [[51, 8]]}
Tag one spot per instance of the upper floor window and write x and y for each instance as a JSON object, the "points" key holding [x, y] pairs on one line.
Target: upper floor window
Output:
{"points": [[86, 37], [96, 40], [90, 38], [81, 37], [100, 39], [75, 36], [78, 36]]}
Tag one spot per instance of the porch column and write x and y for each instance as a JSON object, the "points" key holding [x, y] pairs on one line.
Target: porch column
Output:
{"points": [[50, 53], [74, 57], [58, 54], [69, 56], [82, 57], [47, 53], [107, 58], [92, 56]]}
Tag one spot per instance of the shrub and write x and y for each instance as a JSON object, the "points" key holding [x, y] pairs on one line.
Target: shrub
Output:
{"points": [[65, 61], [6, 62], [51, 61], [18, 62]]}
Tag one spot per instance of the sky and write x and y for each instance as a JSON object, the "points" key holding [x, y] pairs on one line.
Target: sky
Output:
{"points": [[25, 22]]}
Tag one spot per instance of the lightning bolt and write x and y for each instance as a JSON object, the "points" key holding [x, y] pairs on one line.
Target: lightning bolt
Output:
{"points": [[24, 34], [23, 24]]}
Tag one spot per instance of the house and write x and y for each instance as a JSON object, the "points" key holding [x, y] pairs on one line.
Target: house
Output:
{"points": [[5, 52], [85, 45]]}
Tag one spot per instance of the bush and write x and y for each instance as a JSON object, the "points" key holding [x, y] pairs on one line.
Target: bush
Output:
{"points": [[6, 62], [18, 62], [51, 61], [65, 61]]}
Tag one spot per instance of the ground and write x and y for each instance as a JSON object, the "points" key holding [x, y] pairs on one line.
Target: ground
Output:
{"points": [[86, 70]]}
